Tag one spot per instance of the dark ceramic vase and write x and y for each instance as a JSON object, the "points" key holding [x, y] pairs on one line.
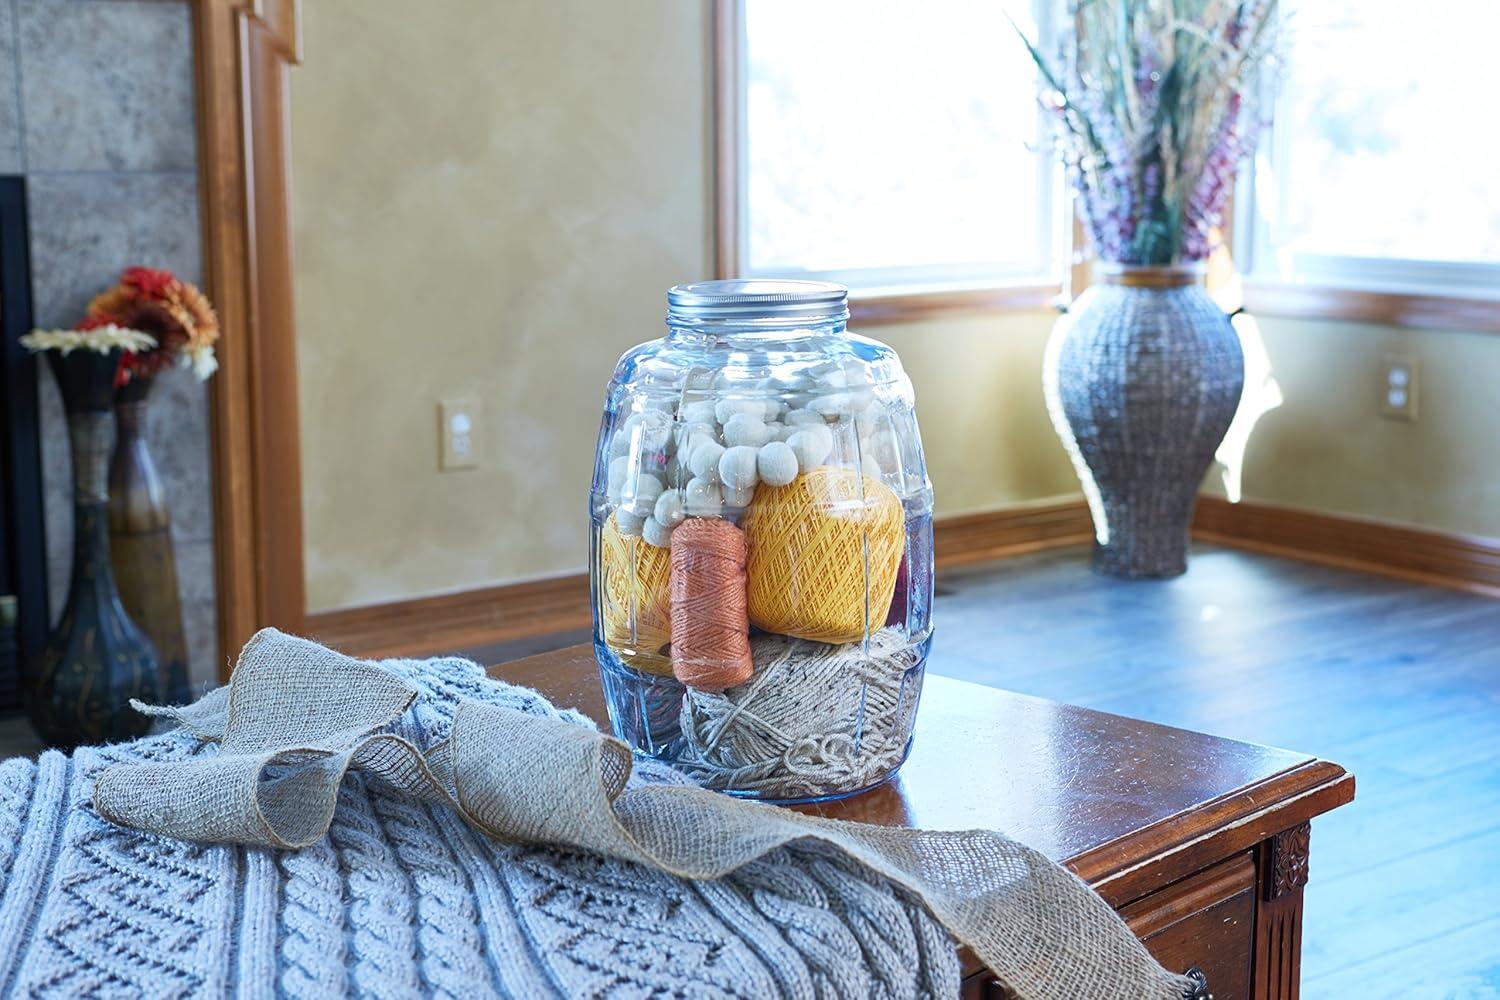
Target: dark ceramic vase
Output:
{"points": [[96, 659], [1142, 377], [140, 533]]}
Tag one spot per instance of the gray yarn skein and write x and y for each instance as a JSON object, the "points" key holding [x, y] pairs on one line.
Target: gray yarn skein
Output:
{"points": [[813, 718]]}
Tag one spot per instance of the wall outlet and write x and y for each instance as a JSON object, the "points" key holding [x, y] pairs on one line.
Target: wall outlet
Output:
{"points": [[1398, 387], [458, 434]]}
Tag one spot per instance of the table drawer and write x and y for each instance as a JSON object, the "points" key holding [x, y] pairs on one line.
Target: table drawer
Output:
{"points": [[1206, 920]]}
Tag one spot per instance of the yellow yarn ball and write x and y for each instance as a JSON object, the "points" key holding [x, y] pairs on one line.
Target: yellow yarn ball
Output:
{"points": [[635, 602], [808, 555]]}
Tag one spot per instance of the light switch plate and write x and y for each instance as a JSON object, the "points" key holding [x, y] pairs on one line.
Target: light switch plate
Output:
{"points": [[1399, 382], [458, 433]]}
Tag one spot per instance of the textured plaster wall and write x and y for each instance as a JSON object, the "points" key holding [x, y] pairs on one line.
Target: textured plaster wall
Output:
{"points": [[494, 204], [1328, 448], [97, 112]]}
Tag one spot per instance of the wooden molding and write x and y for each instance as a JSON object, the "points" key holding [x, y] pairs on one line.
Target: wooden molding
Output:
{"points": [[867, 309], [425, 626], [728, 74], [1432, 311], [1012, 531], [243, 50], [1464, 562]]}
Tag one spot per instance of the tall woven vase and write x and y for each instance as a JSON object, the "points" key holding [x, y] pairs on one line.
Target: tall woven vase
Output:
{"points": [[1142, 378], [95, 660], [140, 530]]}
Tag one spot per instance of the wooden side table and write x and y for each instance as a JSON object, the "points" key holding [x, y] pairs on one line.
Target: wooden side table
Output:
{"points": [[1201, 843]]}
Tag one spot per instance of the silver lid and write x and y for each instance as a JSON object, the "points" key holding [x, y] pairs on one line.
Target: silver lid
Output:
{"points": [[757, 298]]}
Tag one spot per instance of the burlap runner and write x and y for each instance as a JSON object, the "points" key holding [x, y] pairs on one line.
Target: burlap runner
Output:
{"points": [[296, 716]]}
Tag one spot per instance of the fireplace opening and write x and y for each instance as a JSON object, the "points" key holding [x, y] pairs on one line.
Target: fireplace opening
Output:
{"points": [[23, 560]]}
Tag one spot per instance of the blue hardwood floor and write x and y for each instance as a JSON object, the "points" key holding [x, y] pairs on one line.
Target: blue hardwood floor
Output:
{"points": [[1398, 682]]}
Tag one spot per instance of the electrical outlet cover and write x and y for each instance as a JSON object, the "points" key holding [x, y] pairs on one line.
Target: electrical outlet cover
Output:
{"points": [[458, 433], [1398, 388]]}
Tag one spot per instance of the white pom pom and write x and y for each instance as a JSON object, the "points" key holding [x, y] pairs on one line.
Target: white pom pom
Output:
{"points": [[738, 499], [883, 448], [812, 446], [703, 460], [699, 411], [724, 409], [641, 497], [669, 508], [617, 469], [744, 429], [630, 522], [701, 498], [776, 463], [737, 468], [651, 428], [832, 405], [656, 533], [802, 418]]}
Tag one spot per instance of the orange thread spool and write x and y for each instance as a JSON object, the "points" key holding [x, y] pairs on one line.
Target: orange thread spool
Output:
{"points": [[710, 611]]}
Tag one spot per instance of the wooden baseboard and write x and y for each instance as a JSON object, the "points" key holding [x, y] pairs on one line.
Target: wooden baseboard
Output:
{"points": [[1012, 531], [1464, 562], [425, 626]]}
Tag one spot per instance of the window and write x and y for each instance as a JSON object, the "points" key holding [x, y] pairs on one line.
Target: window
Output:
{"points": [[1379, 171], [888, 145]]}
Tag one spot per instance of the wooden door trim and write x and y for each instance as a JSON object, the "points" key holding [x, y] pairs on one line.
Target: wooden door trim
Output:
{"points": [[243, 51]]}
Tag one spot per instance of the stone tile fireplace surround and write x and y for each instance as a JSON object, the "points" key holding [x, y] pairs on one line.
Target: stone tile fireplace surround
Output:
{"points": [[97, 113]]}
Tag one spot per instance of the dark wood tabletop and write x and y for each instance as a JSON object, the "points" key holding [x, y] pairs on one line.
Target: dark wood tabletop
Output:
{"points": [[1201, 843], [1126, 804]]}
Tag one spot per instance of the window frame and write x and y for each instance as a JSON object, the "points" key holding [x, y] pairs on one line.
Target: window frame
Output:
{"points": [[903, 299], [1392, 291]]}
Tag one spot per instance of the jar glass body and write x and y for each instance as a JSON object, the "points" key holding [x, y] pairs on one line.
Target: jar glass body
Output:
{"points": [[761, 555]]}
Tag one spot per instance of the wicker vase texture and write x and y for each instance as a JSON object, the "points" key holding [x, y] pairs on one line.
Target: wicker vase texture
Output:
{"points": [[1142, 378]]}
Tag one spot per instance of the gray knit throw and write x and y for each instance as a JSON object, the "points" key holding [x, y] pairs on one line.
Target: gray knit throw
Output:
{"points": [[403, 899], [397, 829]]}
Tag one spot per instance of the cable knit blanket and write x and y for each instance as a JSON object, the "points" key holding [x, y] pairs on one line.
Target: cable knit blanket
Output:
{"points": [[402, 899]]}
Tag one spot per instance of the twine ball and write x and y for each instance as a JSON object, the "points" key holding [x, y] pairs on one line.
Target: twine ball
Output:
{"points": [[824, 551], [635, 603]]}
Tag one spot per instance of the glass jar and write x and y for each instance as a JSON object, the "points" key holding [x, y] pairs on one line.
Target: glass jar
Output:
{"points": [[761, 556]]}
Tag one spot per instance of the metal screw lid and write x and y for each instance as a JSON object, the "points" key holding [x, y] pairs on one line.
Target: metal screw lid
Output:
{"points": [[747, 299]]}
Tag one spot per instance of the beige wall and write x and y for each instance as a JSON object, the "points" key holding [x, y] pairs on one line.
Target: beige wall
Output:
{"points": [[494, 203], [1328, 448]]}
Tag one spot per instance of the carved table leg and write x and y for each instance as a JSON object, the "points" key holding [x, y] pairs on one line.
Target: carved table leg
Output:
{"points": [[1281, 864]]}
